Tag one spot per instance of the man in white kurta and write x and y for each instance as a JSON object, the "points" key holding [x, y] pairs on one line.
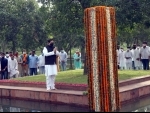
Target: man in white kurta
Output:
{"points": [[133, 59], [145, 56], [50, 52], [128, 56], [122, 59], [118, 51], [13, 67], [136, 58]]}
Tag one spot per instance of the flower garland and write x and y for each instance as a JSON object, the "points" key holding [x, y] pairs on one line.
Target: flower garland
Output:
{"points": [[100, 32]]}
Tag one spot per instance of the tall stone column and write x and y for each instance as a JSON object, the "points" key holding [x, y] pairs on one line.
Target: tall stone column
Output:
{"points": [[101, 58]]}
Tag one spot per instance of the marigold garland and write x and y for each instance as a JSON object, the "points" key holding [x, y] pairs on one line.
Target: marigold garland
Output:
{"points": [[100, 31]]}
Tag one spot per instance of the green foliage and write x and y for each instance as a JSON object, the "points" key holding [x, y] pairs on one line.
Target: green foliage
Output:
{"points": [[21, 25], [24, 24]]}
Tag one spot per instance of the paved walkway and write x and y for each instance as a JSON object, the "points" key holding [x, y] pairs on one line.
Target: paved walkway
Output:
{"points": [[42, 90], [121, 89]]}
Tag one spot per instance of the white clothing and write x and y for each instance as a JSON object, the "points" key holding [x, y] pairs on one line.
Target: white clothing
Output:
{"points": [[50, 82], [63, 56], [128, 54], [1, 109], [136, 56], [13, 67], [145, 52], [133, 54], [8, 58], [50, 70], [41, 60], [122, 59], [128, 61], [128, 65], [118, 51], [46, 53], [14, 109]]}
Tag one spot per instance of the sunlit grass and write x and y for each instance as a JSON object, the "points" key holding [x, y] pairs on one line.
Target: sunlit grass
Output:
{"points": [[76, 76]]}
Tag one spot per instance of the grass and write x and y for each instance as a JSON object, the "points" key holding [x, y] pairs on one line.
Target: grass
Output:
{"points": [[76, 76]]}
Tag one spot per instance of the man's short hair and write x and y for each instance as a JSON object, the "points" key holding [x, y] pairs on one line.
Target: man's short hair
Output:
{"points": [[144, 42], [128, 47], [49, 40], [134, 44]]}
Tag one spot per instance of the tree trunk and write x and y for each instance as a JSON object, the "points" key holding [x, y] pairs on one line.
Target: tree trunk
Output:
{"points": [[3, 46]]}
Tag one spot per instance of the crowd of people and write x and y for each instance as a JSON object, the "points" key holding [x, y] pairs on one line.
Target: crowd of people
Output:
{"points": [[135, 57], [13, 65]]}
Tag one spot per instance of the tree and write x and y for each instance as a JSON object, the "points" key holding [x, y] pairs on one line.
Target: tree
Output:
{"points": [[21, 24]]}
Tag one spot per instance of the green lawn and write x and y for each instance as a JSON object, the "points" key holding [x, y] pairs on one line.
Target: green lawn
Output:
{"points": [[76, 76]]}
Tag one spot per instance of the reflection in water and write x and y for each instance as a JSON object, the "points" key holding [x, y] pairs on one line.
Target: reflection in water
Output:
{"points": [[144, 109], [139, 105], [12, 105]]}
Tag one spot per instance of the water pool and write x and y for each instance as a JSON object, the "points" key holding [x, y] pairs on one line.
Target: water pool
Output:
{"points": [[13, 105]]}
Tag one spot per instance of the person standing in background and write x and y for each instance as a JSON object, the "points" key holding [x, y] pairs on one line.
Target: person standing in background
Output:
{"points": [[133, 58], [7, 55], [13, 67], [4, 66], [77, 59], [19, 60], [136, 58], [128, 56], [122, 59], [63, 59], [118, 52], [24, 58], [145, 56], [41, 63], [33, 63]]}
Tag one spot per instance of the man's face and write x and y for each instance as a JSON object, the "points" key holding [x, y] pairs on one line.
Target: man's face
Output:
{"points": [[118, 47], [62, 50], [33, 53], [10, 54], [144, 45], [17, 53], [51, 43], [134, 47], [12, 57], [3, 55]]}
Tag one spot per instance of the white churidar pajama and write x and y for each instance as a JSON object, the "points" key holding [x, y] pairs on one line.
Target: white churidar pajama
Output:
{"points": [[122, 60], [50, 71], [128, 61], [118, 52], [137, 63]]}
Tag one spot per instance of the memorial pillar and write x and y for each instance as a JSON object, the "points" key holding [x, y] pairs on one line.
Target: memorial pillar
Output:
{"points": [[101, 58]]}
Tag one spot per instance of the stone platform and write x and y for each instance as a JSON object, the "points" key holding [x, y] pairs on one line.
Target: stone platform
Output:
{"points": [[129, 90]]}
